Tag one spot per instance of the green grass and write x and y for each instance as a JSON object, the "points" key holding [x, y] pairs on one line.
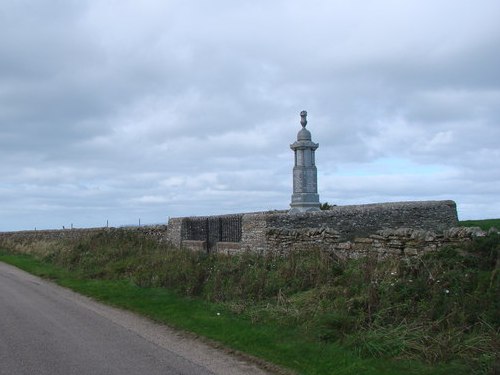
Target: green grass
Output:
{"points": [[282, 346], [309, 312], [483, 224]]}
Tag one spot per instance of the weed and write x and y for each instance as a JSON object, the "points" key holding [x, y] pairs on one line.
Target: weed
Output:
{"points": [[441, 308]]}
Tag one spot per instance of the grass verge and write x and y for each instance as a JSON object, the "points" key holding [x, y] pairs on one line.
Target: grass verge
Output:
{"points": [[309, 311], [285, 347]]}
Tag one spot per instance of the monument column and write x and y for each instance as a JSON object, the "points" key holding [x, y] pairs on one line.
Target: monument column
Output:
{"points": [[305, 196]]}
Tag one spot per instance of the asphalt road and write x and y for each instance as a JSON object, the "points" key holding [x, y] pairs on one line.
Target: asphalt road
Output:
{"points": [[46, 329]]}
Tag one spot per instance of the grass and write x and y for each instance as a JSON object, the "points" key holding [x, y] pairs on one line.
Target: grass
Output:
{"points": [[284, 347], [308, 312], [483, 224]]}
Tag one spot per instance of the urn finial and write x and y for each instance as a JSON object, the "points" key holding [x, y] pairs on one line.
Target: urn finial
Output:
{"points": [[303, 118]]}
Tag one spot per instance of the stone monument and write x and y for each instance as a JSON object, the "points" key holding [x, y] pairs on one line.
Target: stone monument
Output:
{"points": [[305, 196]]}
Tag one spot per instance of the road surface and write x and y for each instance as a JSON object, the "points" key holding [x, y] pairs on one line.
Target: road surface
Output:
{"points": [[49, 330]]}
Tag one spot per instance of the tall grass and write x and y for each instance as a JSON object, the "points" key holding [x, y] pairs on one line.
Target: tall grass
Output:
{"points": [[440, 308]]}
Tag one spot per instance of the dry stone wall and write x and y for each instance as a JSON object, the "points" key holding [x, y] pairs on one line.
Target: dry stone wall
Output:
{"points": [[383, 243], [156, 232], [405, 228], [279, 231], [50, 235], [254, 236], [361, 220]]}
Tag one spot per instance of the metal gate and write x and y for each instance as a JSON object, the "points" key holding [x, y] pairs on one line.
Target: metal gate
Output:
{"points": [[213, 229]]}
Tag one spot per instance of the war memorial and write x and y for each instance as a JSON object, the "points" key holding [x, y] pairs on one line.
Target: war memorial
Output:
{"points": [[382, 229]]}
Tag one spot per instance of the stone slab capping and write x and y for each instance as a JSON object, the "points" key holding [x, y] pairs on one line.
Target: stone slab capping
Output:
{"points": [[305, 196]]}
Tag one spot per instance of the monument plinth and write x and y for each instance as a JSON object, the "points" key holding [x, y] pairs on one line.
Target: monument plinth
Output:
{"points": [[305, 196]]}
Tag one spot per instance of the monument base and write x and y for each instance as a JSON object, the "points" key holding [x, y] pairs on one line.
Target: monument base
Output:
{"points": [[298, 210], [304, 202]]}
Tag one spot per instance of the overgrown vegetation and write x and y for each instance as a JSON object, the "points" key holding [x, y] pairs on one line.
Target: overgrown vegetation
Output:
{"points": [[483, 224], [442, 309], [326, 206]]}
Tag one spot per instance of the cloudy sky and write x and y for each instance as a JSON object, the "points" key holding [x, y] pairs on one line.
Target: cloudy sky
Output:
{"points": [[120, 110]]}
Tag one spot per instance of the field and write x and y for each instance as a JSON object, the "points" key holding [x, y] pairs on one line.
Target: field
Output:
{"points": [[309, 313], [483, 224]]}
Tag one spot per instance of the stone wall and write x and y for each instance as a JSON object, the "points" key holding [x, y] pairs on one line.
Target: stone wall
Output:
{"points": [[156, 232], [343, 224], [405, 228], [50, 235], [383, 243], [361, 220], [159, 233], [254, 232], [175, 231]]}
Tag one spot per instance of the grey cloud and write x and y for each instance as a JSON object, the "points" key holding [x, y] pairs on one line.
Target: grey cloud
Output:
{"points": [[170, 108]]}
